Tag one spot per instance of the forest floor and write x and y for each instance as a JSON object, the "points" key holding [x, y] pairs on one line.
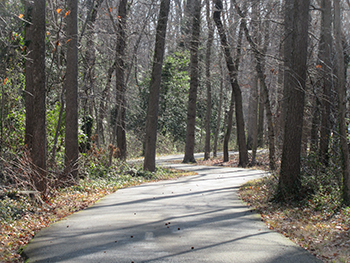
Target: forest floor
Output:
{"points": [[21, 218], [324, 233]]}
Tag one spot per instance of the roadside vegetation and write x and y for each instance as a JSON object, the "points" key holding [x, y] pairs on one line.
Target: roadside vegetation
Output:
{"points": [[317, 221], [23, 213]]}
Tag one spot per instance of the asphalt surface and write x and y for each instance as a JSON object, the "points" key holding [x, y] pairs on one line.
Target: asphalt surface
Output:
{"points": [[192, 219]]}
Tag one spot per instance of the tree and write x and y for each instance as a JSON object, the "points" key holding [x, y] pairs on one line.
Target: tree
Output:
{"points": [[232, 68], [29, 77], [342, 103], [325, 51], [294, 86], [120, 80], [89, 59], [218, 121], [259, 56], [71, 87], [252, 128], [153, 99], [208, 83], [194, 83], [39, 150]]}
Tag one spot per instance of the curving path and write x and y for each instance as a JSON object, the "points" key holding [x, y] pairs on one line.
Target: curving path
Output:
{"points": [[192, 219]]}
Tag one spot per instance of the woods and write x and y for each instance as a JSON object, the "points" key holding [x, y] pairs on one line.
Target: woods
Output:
{"points": [[88, 86], [126, 79]]}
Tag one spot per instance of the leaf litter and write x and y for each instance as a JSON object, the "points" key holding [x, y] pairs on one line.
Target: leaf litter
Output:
{"points": [[326, 235], [21, 218]]}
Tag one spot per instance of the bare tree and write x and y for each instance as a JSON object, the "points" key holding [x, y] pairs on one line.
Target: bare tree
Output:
{"points": [[153, 100], [259, 56], [120, 80], [208, 82], [325, 50], [39, 149], [232, 68], [89, 58], [71, 87], [294, 85], [342, 103], [219, 112], [194, 83], [29, 76]]}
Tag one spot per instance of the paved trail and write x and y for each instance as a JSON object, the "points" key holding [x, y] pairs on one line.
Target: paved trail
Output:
{"points": [[193, 219]]}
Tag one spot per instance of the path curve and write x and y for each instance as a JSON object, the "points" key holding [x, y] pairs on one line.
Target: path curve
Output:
{"points": [[192, 219]]}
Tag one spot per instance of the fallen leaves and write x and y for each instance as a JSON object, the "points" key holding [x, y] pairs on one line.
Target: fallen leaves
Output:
{"points": [[17, 232], [325, 235]]}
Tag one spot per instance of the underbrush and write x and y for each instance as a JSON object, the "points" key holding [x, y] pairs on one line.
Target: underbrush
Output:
{"points": [[318, 223], [22, 215]]}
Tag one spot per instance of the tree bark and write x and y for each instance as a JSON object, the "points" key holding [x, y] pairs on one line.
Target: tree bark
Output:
{"points": [[102, 111], [153, 100], [232, 68], [29, 77], [228, 128], [59, 122], [219, 113], [194, 82], [261, 117], [89, 65], [120, 80], [232, 102], [185, 41], [253, 98], [39, 149], [289, 180], [71, 87], [315, 125], [208, 83], [342, 103], [325, 51]]}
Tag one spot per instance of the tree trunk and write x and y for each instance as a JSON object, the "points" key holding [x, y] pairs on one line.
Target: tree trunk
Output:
{"points": [[153, 100], [208, 83], [186, 24], [253, 98], [289, 180], [259, 56], [89, 65], [120, 82], [194, 82], [261, 117], [315, 126], [232, 102], [59, 122], [252, 139], [342, 103], [229, 128], [219, 113], [232, 68], [29, 77], [325, 51], [287, 57], [71, 87], [39, 150], [102, 111]]}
